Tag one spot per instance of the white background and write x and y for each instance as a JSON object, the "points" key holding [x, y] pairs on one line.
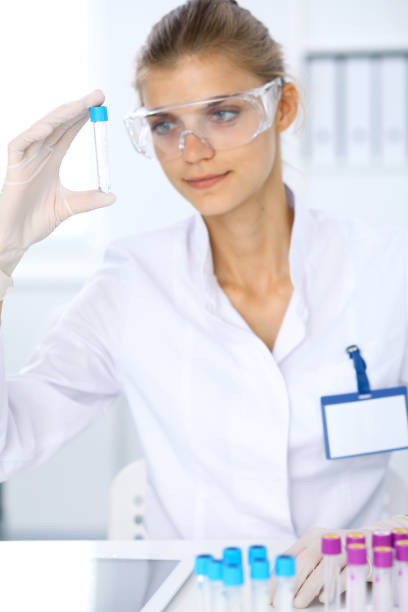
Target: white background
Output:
{"points": [[53, 52]]}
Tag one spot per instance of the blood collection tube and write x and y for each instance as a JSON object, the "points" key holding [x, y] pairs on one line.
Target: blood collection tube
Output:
{"points": [[382, 578], [215, 584], [355, 538], [285, 574], [260, 574], [397, 535], [99, 119], [331, 550], [233, 581], [202, 563], [257, 551], [381, 538], [401, 557], [356, 593]]}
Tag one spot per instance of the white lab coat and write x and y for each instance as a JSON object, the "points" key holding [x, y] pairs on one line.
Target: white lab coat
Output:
{"points": [[231, 432]]}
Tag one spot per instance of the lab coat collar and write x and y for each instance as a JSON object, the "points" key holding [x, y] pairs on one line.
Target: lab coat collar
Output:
{"points": [[202, 266]]}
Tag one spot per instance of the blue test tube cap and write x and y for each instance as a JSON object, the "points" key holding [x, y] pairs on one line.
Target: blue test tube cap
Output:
{"points": [[257, 551], [260, 569], [98, 113], [285, 566], [232, 574], [215, 569], [202, 563], [232, 555]]}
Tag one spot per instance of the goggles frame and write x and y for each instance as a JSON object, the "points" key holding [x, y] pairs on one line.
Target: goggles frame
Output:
{"points": [[139, 137]]}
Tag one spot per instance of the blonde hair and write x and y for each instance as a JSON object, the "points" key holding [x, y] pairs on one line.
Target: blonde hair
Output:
{"points": [[211, 26]]}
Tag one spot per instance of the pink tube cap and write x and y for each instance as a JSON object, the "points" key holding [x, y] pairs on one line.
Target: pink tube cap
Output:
{"points": [[355, 538], [331, 544], [381, 538], [356, 554], [383, 556], [398, 534], [401, 550]]}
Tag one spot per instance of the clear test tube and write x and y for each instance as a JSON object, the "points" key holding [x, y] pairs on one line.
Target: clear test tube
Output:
{"points": [[382, 578], [331, 550], [201, 567], [216, 586], [233, 580], [260, 574], [356, 593], [401, 556], [285, 569], [99, 119]]}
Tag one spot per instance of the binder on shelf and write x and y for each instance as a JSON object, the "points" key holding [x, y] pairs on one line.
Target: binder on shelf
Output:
{"points": [[322, 130], [394, 108], [359, 109]]}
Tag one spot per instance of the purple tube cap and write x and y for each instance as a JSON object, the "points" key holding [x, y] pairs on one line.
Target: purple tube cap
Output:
{"points": [[355, 538], [383, 556], [356, 554], [398, 534], [381, 538], [331, 544], [401, 550]]}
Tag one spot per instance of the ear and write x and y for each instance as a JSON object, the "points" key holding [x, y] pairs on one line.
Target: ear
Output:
{"points": [[288, 107]]}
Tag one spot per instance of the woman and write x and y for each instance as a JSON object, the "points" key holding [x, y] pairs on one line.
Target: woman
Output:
{"points": [[223, 330]]}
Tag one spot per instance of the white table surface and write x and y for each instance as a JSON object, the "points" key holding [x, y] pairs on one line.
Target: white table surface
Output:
{"points": [[185, 598]]}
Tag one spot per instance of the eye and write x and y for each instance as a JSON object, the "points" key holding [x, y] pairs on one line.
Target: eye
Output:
{"points": [[225, 114], [164, 127]]}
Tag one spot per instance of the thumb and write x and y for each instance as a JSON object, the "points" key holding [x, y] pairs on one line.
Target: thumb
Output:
{"points": [[83, 201]]}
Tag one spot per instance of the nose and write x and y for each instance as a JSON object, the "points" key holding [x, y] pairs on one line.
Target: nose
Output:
{"points": [[193, 147]]}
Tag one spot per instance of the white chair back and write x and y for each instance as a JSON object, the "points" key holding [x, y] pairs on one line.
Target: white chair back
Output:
{"points": [[127, 503]]}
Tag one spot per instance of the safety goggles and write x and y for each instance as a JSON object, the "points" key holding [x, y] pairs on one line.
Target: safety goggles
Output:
{"points": [[219, 122]]}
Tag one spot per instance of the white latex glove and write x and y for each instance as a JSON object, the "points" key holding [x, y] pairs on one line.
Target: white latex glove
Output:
{"points": [[309, 566], [33, 201]]}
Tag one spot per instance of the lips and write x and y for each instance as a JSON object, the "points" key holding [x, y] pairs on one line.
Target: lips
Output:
{"points": [[206, 181]]}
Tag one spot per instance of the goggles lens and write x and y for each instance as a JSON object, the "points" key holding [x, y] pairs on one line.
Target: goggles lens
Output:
{"points": [[222, 123]]}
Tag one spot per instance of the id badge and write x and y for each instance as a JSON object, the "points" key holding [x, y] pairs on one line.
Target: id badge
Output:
{"points": [[367, 422]]}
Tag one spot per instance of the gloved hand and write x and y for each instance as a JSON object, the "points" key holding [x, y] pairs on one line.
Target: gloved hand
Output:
{"points": [[309, 566], [33, 201]]}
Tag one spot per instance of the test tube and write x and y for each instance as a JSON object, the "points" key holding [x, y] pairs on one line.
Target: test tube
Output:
{"points": [[401, 549], [260, 574], [99, 119], [201, 568], [232, 555], [215, 583], [285, 575], [382, 578], [397, 535], [355, 538], [233, 581], [256, 551], [356, 593], [381, 538], [331, 550]]}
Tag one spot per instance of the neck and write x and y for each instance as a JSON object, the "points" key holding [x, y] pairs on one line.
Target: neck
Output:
{"points": [[250, 244]]}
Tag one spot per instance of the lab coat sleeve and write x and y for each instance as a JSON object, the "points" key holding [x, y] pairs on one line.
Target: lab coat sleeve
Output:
{"points": [[71, 377]]}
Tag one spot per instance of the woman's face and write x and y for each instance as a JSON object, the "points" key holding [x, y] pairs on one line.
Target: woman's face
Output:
{"points": [[248, 166]]}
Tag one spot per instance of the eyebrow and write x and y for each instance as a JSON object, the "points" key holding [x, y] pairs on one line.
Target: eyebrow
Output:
{"points": [[168, 114]]}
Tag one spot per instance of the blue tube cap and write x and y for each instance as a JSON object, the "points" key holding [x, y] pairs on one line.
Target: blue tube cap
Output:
{"points": [[232, 574], [257, 551], [260, 569], [232, 555], [202, 563], [285, 566], [98, 113], [215, 569]]}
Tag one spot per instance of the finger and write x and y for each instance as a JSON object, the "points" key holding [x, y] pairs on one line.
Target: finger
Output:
{"points": [[306, 562], [43, 128], [64, 142], [83, 201], [342, 585], [310, 588]]}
